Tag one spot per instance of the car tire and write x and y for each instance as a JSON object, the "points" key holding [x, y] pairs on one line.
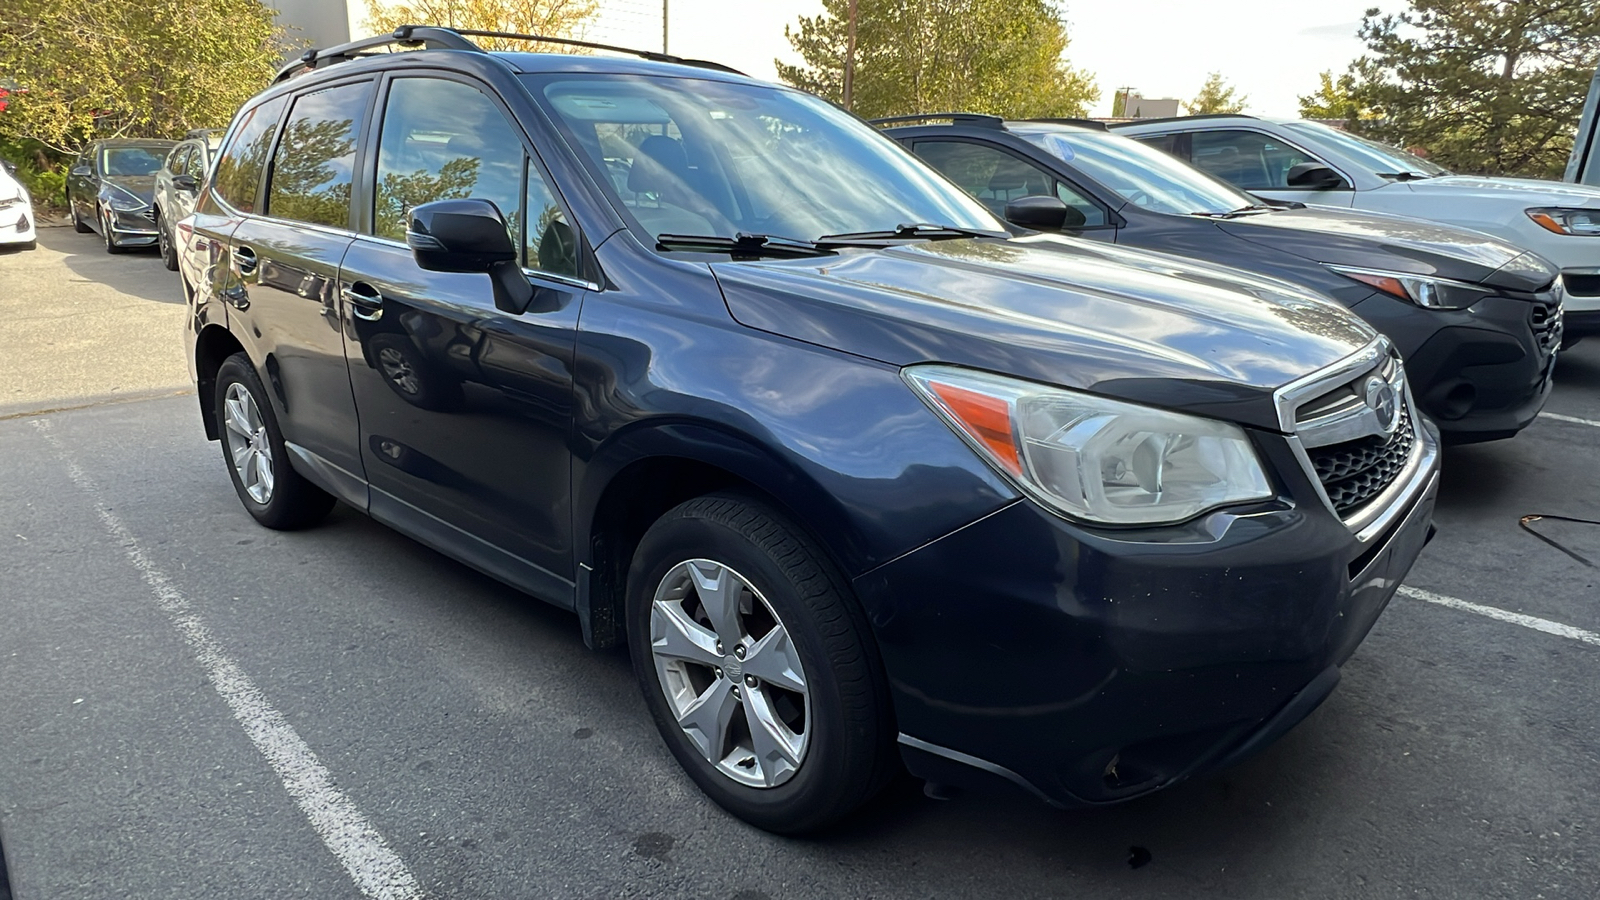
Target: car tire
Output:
{"points": [[846, 750], [78, 225], [106, 235], [252, 445], [169, 253]]}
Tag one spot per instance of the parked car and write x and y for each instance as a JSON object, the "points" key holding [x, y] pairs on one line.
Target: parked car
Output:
{"points": [[16, 211], [1477, 320], [1289, 159], [749, 388], [178, 184], [110, 191]]}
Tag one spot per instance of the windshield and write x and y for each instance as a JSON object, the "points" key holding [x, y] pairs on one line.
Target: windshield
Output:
{"points": [[1379, 158], [133, 161], [698, 157], [1144, 176]]}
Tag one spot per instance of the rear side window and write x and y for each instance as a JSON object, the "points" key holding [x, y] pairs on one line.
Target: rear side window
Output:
{"points": [[239, 169], [312, 168], [1246, 159], [444, 140]]}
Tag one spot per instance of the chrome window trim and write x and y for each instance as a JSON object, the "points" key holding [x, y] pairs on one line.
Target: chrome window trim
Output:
{"points": [[531, 273]]}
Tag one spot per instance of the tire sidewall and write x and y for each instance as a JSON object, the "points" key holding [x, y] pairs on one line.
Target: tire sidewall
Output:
{"points": [[237, 370], [827, 753]]}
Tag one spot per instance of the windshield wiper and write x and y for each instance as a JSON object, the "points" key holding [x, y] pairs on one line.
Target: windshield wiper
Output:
{"points": [[741, 244], [907, 230], [1241, 211], [1403, 176]]}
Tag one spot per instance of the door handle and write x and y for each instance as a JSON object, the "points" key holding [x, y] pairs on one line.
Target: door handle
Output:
{"points": [[244, 259], [366, 302]]}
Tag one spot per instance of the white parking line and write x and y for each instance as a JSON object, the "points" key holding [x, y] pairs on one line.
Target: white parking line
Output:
{"points": [[1537, 624], [365, 855], [1573, 419]]}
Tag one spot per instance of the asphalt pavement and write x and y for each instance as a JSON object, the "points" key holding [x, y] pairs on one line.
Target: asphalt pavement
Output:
{"points": [[194, 707]]}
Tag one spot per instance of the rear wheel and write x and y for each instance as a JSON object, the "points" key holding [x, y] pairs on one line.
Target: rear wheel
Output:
{"points": [[169, 253], [273, 492], [757, 665]]}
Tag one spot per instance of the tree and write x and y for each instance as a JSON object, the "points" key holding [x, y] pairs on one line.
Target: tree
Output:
{"points": [[1489, 86], [554, 18], [1215, 97], [995, 56], [138, 68], [1119, 101], [1335, 98]]}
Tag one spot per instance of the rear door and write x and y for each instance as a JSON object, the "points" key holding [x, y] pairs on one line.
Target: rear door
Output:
{"points": [[465, 410], [286, 259]]}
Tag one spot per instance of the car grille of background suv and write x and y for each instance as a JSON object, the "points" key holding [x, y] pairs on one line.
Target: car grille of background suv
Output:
{"points": [[1356, 471], [1585, 285]]}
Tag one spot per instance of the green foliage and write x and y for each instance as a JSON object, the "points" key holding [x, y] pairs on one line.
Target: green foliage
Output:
{"points": [[1119, 101], [1215, 96], [994, 56], [136, 68], [1488, 86], [1335, 98], [553, 18], [40, 170]]}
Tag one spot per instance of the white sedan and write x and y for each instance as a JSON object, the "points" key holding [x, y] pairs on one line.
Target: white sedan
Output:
{"points": [[16, 212]]}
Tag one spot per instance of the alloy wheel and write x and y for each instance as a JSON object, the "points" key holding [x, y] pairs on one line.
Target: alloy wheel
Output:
{"points": [[249, 446], [730, 672]]}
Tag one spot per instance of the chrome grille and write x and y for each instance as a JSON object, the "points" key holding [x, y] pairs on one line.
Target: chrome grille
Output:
{"points": [[1546, 321], [1354, 472]]}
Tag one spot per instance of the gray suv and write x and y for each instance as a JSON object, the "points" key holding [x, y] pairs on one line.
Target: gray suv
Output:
{"points": [[178, 184]]}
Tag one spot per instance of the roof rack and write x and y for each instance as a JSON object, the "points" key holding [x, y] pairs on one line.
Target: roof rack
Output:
{"points": [[1182, 119], [1067, 120], [429, 37], [978, 119]]}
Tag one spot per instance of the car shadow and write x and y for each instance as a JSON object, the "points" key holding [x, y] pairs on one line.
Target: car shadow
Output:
{"points": [[135, 272]]}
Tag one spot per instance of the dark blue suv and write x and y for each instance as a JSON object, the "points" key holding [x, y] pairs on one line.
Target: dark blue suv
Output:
{"points": [[858, 477]]}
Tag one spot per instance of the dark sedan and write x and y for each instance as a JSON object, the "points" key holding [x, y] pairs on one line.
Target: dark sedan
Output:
{"points": [[1477, 319], [110, 191]]}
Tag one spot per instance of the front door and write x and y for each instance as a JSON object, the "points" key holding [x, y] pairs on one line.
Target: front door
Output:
{"points": [[465, 410], [1260, 164]]}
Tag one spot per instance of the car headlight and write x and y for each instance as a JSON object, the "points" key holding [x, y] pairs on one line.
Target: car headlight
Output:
{"points": [[1432, 293], [1095, 459], [1568, 221], [122, 201]]}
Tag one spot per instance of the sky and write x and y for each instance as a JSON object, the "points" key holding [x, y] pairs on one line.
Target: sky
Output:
{"points": [[1271, 50]]}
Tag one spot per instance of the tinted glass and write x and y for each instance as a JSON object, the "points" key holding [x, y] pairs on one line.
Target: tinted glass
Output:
{"points": [[131, 161], [996, 177], [311, 170], [197, 163], [1143, 176], [1246, 159], [552, 242], [178, 159], [703, 157], [240, 166], [1379, 157], [444, 140]]}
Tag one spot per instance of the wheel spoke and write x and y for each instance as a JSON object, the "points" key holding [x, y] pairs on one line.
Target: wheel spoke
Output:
{"points": [[241, 453], [248, 474], [773, 659], [719, 594], [676, 636], [238, 420], [777, 749], [706, 720], [264, 475]]}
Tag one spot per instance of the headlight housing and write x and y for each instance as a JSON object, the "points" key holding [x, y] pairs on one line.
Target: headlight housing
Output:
{"points": [[122, 201], [1429, 293], [1584, 222], [1094, 459]]}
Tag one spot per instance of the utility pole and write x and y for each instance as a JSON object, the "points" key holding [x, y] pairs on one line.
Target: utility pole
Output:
{"points": [[850, 59], [664, 25]]}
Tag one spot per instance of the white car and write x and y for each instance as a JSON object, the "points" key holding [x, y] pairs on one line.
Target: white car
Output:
{"points": [[16, 212], [1291, 159]]}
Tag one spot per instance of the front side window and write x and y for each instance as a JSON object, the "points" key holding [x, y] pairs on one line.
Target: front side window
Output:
{"points": [[996, 178], [444, 140], [241, 164], [178, 159], [1141, 175], [1246, 159], [312, 168], [705, 157]]}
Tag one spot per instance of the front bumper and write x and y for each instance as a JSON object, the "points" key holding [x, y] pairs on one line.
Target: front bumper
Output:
{"points": [[17, 225], [1092, 666], [1480, 374], [133, 228]]}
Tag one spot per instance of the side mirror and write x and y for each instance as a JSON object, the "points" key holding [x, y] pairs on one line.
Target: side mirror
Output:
{"points": [[186, 182], [82, 172], [1314, 176], [1041, 213], [470, 236]]}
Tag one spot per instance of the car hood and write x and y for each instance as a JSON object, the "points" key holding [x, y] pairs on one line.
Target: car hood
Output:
{"points": [[1395, 243], [141, 186], [1532, 191], [1132, 324]]}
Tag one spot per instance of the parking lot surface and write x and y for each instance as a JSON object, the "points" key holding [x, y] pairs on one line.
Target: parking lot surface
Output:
{"points": [[194, 706]]}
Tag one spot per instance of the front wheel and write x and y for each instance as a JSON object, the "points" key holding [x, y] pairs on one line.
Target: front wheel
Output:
{"points": [[757, 665], [252, 445], [108, 235], [169, 253]]}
